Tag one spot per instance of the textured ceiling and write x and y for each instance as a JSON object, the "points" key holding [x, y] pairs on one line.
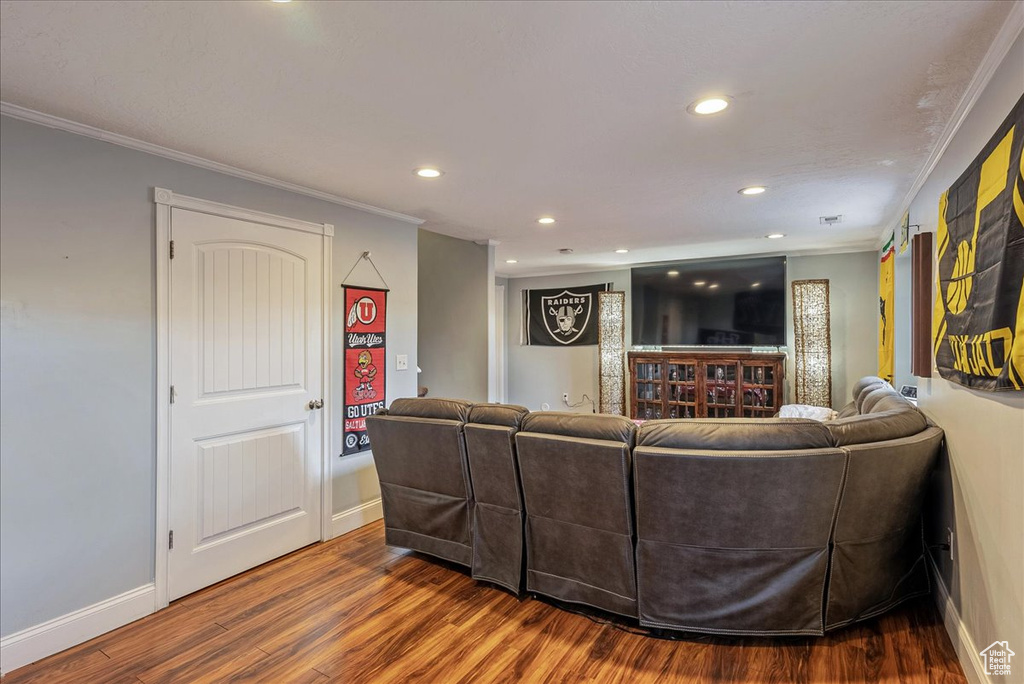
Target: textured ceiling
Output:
{"points": [[571, 109]]}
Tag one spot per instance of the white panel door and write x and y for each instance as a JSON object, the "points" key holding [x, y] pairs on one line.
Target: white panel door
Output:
{"points": [[245, 363]]}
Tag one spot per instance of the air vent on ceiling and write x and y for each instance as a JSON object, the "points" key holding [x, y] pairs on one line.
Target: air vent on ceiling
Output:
{"points": [[830, 220]]}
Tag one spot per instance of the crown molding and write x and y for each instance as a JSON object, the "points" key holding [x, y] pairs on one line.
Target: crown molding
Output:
{"points": [[582, 269], [32, 116], [997, 52]]}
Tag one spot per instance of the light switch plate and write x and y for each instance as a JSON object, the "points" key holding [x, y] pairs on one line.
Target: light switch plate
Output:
{"points": [[402, 362]]}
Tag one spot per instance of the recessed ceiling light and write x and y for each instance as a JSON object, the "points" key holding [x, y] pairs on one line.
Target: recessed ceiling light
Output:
{"points": [[428, 172], [712, 286], [280, 2], [708, 105], [511, 261], [622, 251], [753, 190], [755, 284], [672, 274], [775, 236], [545, 220], [700, 283]]}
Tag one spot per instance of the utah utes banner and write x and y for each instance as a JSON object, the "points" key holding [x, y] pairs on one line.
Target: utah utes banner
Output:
{"points": [[978, 321], [561, 317], [365, 363]]}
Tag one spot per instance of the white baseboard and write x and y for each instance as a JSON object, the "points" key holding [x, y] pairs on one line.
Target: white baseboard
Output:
{"points": [[58, 634], [966, 649], [356, 517]]}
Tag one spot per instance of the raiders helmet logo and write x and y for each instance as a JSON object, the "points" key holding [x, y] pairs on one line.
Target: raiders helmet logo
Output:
{"points": [[566, 315]]}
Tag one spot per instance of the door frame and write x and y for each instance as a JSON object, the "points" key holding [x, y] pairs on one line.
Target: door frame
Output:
{"points": [[500, 342], [165, 200]]}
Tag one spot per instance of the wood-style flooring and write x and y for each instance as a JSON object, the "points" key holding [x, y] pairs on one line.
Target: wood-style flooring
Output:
{"points": [[356, 612]]}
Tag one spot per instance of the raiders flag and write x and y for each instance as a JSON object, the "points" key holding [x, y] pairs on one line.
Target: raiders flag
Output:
{"points": [[561, 317], [978, 321]]}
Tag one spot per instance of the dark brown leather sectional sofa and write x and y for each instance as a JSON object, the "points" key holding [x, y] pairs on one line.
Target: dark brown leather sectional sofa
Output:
{"points": [[732, 526]]}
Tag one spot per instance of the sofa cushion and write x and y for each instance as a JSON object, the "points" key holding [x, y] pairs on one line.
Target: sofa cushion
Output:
{"points": [[428, 407], [870, 397], [508, 415], [848, 410], [878, 426], [737, 434], [585, 425], [864, 387]]}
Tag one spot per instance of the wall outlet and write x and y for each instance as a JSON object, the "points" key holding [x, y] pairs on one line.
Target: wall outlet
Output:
{"points": [[402, 362], [565, 398]]}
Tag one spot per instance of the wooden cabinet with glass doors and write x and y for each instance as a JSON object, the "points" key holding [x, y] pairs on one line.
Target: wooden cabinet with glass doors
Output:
{"points": [[705, 384]]}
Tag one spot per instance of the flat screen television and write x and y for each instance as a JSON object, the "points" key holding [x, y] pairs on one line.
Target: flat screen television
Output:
{"points": [[721, 302]]}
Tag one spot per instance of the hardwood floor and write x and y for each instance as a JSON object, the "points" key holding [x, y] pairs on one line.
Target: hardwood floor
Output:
{"points": [[354, 611]]}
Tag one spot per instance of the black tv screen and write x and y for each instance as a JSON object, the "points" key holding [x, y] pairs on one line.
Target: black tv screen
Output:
{"points": [[724, 302]]}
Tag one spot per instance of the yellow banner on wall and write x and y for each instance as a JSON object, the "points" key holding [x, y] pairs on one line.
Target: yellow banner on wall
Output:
{"points": [[886, 297], [978, 319]]}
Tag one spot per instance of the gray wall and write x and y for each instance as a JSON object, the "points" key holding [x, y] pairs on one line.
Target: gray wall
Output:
{"points": [[453, 314], [978, 491], [853, 307], [77, 356], [541, 374], [538, 375]]}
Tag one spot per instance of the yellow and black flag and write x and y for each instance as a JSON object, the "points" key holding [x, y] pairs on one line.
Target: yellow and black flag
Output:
{"points": [[886, 302], [978, 323]]}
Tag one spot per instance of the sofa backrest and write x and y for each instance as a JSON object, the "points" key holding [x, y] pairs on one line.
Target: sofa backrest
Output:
{"points": [[576, 472], [865, 385], [883, 415], [430, 407], [735, 434], [878, 556], [577, 468], [419, 444], [498, 510], [490, 447], [585, 425], [419, 449], [757, 520]]}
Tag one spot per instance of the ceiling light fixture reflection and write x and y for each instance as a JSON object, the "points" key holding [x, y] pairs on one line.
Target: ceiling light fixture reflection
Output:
{"points": [[708, 105], [428, 172], [775, 236], [700, 283], [672, 274], [712, 286], [752, 190], [511, 261], [755, 284], [546, 220], [622, 251]]}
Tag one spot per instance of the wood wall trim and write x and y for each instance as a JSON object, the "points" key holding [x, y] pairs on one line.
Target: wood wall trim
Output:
{"points": [[921, 305]]}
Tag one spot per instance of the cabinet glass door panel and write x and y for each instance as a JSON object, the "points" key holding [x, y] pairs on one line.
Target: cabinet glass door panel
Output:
{"points": [[759, 400], [758, 375], [682, 389], [649, 392], [720, 386]]}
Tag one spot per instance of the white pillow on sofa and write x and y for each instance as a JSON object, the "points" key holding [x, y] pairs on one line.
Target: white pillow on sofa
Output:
{"points": [[819, 413]]}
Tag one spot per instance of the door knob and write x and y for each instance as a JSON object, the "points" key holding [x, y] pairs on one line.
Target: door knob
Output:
{"points": [[316, 404]]}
